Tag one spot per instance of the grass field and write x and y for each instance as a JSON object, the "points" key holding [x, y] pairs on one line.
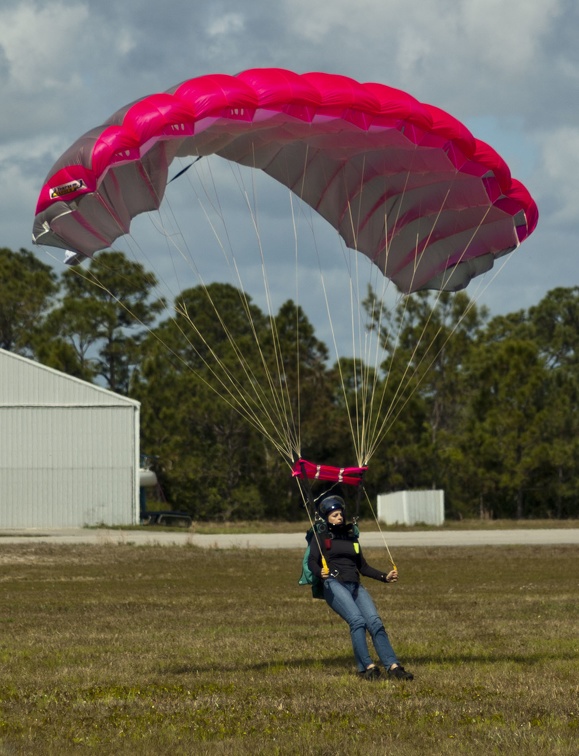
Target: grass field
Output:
{"points": [[172, 650], [369, 524]]}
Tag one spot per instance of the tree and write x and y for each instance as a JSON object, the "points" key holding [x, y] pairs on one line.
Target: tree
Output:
{"points": [[103, 316], [27, 289], [555, 324], [300, 363], [199, 384], [502, 439], [426, 339]]}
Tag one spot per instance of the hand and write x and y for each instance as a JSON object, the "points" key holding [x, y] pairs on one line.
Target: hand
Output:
{"points": [[325, 572], [392, 576]]}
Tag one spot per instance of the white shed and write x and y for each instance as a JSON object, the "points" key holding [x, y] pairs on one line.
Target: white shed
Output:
{"points": [[411, 507], [69, 450]]}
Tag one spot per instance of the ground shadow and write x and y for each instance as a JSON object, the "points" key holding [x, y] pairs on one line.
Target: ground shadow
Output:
{"points": [[344, 663]]}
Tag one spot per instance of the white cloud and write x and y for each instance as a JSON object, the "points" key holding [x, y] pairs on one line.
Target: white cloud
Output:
{"points": [[228, 23], [40, 45], [474, 52], [506, 36], [560, 168], [479, 53]]}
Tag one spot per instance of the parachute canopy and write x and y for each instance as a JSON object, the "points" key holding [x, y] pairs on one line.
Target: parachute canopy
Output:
{"points": [[401, 181]]}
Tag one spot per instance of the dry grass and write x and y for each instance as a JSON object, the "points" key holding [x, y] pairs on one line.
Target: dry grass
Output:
{"points": [[265, 526], [152, 650]]}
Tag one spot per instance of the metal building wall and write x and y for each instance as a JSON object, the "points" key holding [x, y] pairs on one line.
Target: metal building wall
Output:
{"points": [[25, 382], [68, 450], [411, 507]]}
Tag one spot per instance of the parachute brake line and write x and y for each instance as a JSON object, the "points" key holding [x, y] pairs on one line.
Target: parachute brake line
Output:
{"points": [[359, 491], [381, 533], [299, 471]]}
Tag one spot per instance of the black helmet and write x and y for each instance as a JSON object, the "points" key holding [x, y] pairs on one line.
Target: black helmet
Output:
{"points": [[331, 504]]}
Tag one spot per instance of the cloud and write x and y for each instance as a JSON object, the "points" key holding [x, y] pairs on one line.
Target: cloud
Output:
{"points": [[222, 26], [509, 70], [36, 61], [560, 169], [440, 45]]}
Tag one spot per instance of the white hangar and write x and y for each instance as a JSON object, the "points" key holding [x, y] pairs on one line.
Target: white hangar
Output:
{"points": [[69, 450]]}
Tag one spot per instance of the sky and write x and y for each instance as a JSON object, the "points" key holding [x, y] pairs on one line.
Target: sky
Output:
{"points": [[508, 70]]}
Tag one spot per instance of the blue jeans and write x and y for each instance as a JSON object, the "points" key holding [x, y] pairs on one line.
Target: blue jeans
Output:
{"points": [[354, 605]]}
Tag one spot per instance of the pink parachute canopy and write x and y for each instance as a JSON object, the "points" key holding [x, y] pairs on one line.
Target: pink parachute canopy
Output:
{"points": [[402, 182]]}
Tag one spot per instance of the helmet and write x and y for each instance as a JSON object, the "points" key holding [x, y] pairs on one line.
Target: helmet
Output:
{"points": [[331, 504]]}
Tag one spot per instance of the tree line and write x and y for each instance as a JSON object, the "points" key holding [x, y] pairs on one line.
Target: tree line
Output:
{"points": [[486, 408]]}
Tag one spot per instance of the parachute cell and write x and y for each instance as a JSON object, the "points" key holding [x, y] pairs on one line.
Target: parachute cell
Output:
{"points": [[401, 181]]}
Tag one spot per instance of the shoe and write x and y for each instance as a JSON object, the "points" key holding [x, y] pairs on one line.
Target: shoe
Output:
{"points": [[399, 673], [372, 673]]}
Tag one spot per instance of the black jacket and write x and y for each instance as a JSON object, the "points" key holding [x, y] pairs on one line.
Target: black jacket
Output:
{"points": [[343, 553]]}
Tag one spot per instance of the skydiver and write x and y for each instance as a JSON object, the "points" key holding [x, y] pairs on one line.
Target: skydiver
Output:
{"points": [[345, 594]]}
